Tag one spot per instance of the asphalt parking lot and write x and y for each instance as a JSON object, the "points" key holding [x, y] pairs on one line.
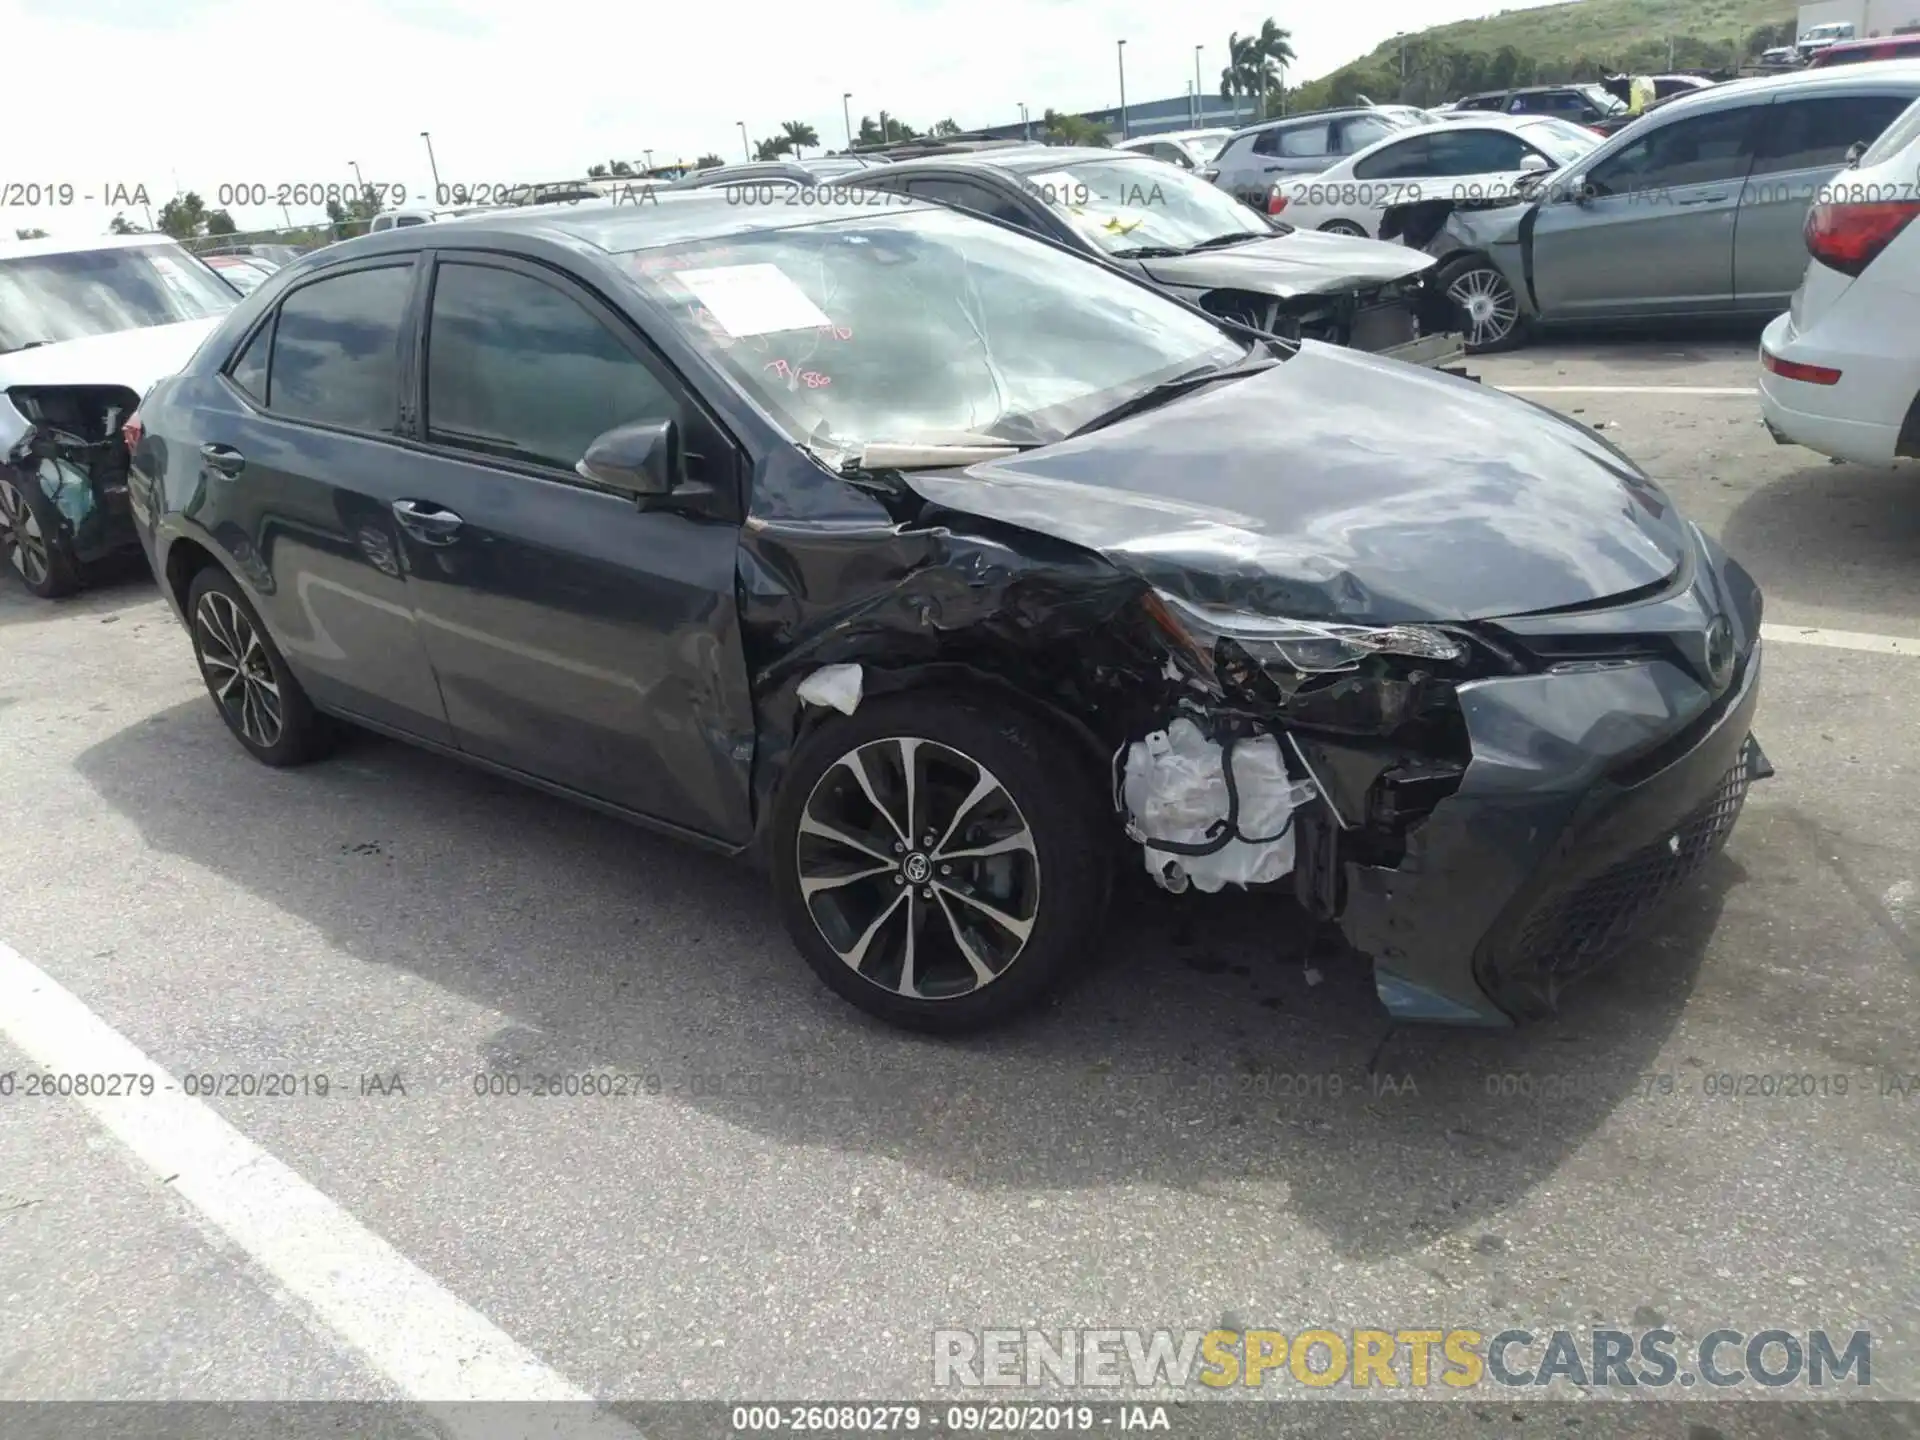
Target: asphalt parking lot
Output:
{"points": [[1214, 1128]]}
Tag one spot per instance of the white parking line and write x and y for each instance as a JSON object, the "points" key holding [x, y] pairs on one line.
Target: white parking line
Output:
{"points": [[1632, 389], [1839, 639], [434, 1348]]}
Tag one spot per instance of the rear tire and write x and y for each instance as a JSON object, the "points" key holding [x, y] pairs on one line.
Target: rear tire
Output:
{"points": [[252, 688], [1486, 304], [1344, 227], [976, 906], [30, 539]]}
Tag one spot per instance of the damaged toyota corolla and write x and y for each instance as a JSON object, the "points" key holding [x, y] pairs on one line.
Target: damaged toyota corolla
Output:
{"points": [[941, 570], [85, 327]]}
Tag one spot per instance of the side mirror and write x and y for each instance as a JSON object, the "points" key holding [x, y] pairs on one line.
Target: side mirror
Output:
{"points": [[643, 460], [1534, 164], [1574, 189], [1854, 152]]}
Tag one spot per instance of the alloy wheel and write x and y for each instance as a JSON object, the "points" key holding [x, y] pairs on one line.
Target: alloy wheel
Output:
{"points": [[1343, 227], [918, 868], [238, 671], [20, 531], [1488, 303]]}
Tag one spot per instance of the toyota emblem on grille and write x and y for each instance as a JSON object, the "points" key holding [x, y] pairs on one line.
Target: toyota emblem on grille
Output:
{"points": [[1719, 653]]}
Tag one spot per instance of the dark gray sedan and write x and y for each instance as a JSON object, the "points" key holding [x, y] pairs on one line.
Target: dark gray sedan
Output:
{"points": [[1196, 242], [940, 569]]}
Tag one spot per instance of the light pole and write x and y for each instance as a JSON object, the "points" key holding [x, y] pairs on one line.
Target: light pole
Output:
{"points": [[885, 138], [1120, 49], [359, 179], [1026, 123], [649, 154], [434, 165], [746, 147], [847, 116]]}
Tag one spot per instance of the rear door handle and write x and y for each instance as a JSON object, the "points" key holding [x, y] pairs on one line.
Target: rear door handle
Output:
{"points": [[224, 458], [1706, 199], [426, 521]]}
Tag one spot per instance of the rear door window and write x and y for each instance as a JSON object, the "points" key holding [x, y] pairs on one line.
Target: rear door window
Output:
{"points": [[1809, 134], [336, 350], [1398, 162], [1477, 152], [1301, 141]]}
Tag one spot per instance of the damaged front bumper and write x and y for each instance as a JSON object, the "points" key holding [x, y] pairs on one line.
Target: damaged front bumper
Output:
{"points": [[65, 446], [1555, 847], [1485, 872]]}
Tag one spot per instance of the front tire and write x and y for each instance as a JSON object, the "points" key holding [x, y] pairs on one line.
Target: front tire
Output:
{"points": [[252, 688], [30, 539], [1488, 307], [939, 863], [1344, 227]]}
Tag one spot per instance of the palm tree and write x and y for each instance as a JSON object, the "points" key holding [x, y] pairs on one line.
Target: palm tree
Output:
{"points": [[772, 148], [708, 161], [799, 133], [1256, 64], [1275, 47]]}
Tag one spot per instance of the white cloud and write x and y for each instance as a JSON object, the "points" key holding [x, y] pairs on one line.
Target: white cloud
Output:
{"points": [[218, 93]]}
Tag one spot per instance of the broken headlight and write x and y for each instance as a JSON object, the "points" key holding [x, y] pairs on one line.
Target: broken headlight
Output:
{"points": [[1307, 647]]}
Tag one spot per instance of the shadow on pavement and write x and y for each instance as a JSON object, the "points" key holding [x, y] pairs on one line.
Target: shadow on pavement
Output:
{"points": [[1834, 535], [1199, 1053]]}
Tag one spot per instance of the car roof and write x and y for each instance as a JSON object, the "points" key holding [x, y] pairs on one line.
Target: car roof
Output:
{"points": [[1839, 77], [1855, 47], [77, 244], [1025, 159], [1300, 115], [1205, 130], [618, 228]]}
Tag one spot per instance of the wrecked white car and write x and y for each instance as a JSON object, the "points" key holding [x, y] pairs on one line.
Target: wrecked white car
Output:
{"points": [[86, 326]]}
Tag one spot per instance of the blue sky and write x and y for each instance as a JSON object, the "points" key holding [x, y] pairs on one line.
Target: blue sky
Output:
{"points": [[212, 93]]}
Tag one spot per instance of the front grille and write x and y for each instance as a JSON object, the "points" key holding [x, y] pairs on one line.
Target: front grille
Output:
{"points": [[1572, 933]]}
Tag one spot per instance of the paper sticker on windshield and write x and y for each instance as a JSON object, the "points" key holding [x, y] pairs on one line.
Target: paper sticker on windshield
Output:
{"points": [[753, 299]]}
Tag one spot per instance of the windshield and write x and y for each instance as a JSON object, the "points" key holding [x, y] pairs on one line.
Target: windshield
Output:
{"points": [[51, 298], [1204, 149], [1561, 139], [1123, 205], [923, 326]]}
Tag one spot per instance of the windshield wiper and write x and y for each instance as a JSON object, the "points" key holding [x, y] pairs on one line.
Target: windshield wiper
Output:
{"points": [[1155, 396], [1147, 252], [1220, 242], [30, 345]]}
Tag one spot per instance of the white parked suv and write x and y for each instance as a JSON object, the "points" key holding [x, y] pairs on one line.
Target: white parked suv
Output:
{"points": [[1840, 371]]}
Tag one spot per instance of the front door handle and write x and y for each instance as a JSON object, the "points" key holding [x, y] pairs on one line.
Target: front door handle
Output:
{"points": [[224, 458], [1706, 199], [427, 522]]}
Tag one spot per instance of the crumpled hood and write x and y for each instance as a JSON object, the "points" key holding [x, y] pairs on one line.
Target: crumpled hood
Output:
{"points": [[133, 358], [1307, 262], [1339, 485]]}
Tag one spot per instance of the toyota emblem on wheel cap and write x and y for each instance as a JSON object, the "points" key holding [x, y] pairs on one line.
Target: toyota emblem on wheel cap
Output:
{"points": [[1719, 653]]}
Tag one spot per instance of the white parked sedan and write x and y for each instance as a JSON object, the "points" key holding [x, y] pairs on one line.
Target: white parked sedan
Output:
{"points": [[1479, 158], [1840, 371]]}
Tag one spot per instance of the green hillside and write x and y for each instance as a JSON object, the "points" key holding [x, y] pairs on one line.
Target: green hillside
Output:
{"points": [[1583, 40]]}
